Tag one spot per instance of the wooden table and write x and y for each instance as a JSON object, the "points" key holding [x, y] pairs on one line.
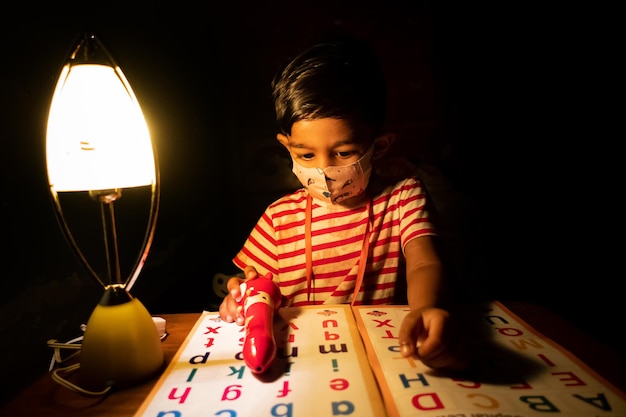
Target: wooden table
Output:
{"points": [[46, 398]]}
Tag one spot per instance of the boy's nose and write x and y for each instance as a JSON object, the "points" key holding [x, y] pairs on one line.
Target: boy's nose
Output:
{"points": [[323, 162]]}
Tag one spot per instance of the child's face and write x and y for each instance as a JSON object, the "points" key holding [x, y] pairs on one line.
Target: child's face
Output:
{"points": [[326, 142]]}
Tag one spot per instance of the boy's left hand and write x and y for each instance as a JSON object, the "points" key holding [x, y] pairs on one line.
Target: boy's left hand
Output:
{"points": [[426, 334]]}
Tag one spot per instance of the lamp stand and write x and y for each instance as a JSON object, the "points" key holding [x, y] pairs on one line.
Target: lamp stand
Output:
{"points": [[121, 345]]}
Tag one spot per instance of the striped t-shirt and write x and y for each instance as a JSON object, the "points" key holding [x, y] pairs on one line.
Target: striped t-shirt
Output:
{"points": [[277, 244]]}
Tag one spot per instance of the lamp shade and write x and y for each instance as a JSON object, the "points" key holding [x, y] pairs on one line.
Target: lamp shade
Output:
{"points": [[97, 137]]}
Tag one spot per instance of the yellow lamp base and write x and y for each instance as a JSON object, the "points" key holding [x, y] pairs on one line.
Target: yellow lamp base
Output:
{"points": [[121, 344]]}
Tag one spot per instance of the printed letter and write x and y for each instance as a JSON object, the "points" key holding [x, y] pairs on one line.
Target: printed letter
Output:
{"points": [[539, 403], [427, 402], [600, 401], [285, 410], [342, 408], [234, 389], [172, 395]]}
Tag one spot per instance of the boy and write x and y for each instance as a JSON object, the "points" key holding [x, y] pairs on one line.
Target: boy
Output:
{"points": [[350, 235]]}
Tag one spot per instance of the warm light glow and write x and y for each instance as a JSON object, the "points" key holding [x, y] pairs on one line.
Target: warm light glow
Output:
{"points": [[97, 137], [98, 142]]}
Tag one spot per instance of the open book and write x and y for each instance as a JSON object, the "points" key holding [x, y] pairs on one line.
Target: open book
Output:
{"points": [[344, 361]]}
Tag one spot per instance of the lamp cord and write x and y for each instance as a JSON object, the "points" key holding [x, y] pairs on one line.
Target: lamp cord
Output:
{"points": [[56, 373], [56, 376], [58, 359]]}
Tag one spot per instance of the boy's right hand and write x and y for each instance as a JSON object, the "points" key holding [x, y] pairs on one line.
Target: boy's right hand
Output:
{"points": [[230, 310]]}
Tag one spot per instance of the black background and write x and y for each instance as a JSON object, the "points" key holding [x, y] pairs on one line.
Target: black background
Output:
{"points": [[507, 108]]}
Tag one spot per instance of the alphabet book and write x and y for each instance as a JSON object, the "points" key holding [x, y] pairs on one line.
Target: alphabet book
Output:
{"points": [[342, 360]]}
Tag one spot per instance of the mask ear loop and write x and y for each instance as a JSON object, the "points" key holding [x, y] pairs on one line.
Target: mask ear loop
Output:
{"points": [[309, 249], [364, 252]]}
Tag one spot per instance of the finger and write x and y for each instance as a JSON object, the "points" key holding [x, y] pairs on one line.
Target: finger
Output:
{"points": [[430, 347], [224, 313], [410, 328], [432, 343], [239, 319], [228, 309], [231, 311], [450, 356], [444, 360], [234, 287], [250, 272]]}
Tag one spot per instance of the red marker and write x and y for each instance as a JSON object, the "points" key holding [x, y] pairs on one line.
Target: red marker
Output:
{"points": [[261, 299]]}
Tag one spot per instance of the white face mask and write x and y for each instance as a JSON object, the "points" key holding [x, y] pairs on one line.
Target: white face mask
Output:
{"points": [[336, 183]]}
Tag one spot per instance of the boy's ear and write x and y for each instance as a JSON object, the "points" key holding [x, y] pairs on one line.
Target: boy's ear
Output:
{"points": [[283, 139], [382, 144]]}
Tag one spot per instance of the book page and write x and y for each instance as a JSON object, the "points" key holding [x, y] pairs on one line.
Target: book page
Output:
{"points": [[521, 373], [321, 369]]}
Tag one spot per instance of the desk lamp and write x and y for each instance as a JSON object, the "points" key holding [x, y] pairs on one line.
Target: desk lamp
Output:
{"points": [[98, 144]]}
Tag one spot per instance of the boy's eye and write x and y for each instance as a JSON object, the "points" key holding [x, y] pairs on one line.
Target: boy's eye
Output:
{"points": [[337, 154]]}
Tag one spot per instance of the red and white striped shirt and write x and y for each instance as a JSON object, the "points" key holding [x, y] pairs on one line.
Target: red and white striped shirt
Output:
{"points": [[277, 244]]}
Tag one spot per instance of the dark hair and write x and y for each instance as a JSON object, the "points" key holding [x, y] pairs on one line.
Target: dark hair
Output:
{"points": [[338, 79]]}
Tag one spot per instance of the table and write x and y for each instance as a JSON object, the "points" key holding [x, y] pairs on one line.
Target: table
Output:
{"points": [[46, 398]]}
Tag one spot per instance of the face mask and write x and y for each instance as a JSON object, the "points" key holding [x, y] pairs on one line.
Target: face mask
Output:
{"points": [[336, 183]]}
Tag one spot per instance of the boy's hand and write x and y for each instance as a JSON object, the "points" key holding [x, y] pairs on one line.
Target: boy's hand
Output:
{"points": [[230, 310], [426, 334]]}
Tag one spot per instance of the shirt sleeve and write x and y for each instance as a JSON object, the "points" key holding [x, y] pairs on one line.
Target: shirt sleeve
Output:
{"points": [[414, 217], [260, 249]]}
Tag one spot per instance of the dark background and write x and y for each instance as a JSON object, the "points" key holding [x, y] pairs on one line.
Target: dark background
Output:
{"points": [[506, 111]]}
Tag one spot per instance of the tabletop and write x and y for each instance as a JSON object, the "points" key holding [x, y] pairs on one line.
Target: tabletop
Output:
{"points": [[46, 398]]}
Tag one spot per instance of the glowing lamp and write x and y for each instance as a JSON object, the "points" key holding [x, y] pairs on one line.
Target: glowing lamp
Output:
{"points": [[97, 145]]}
